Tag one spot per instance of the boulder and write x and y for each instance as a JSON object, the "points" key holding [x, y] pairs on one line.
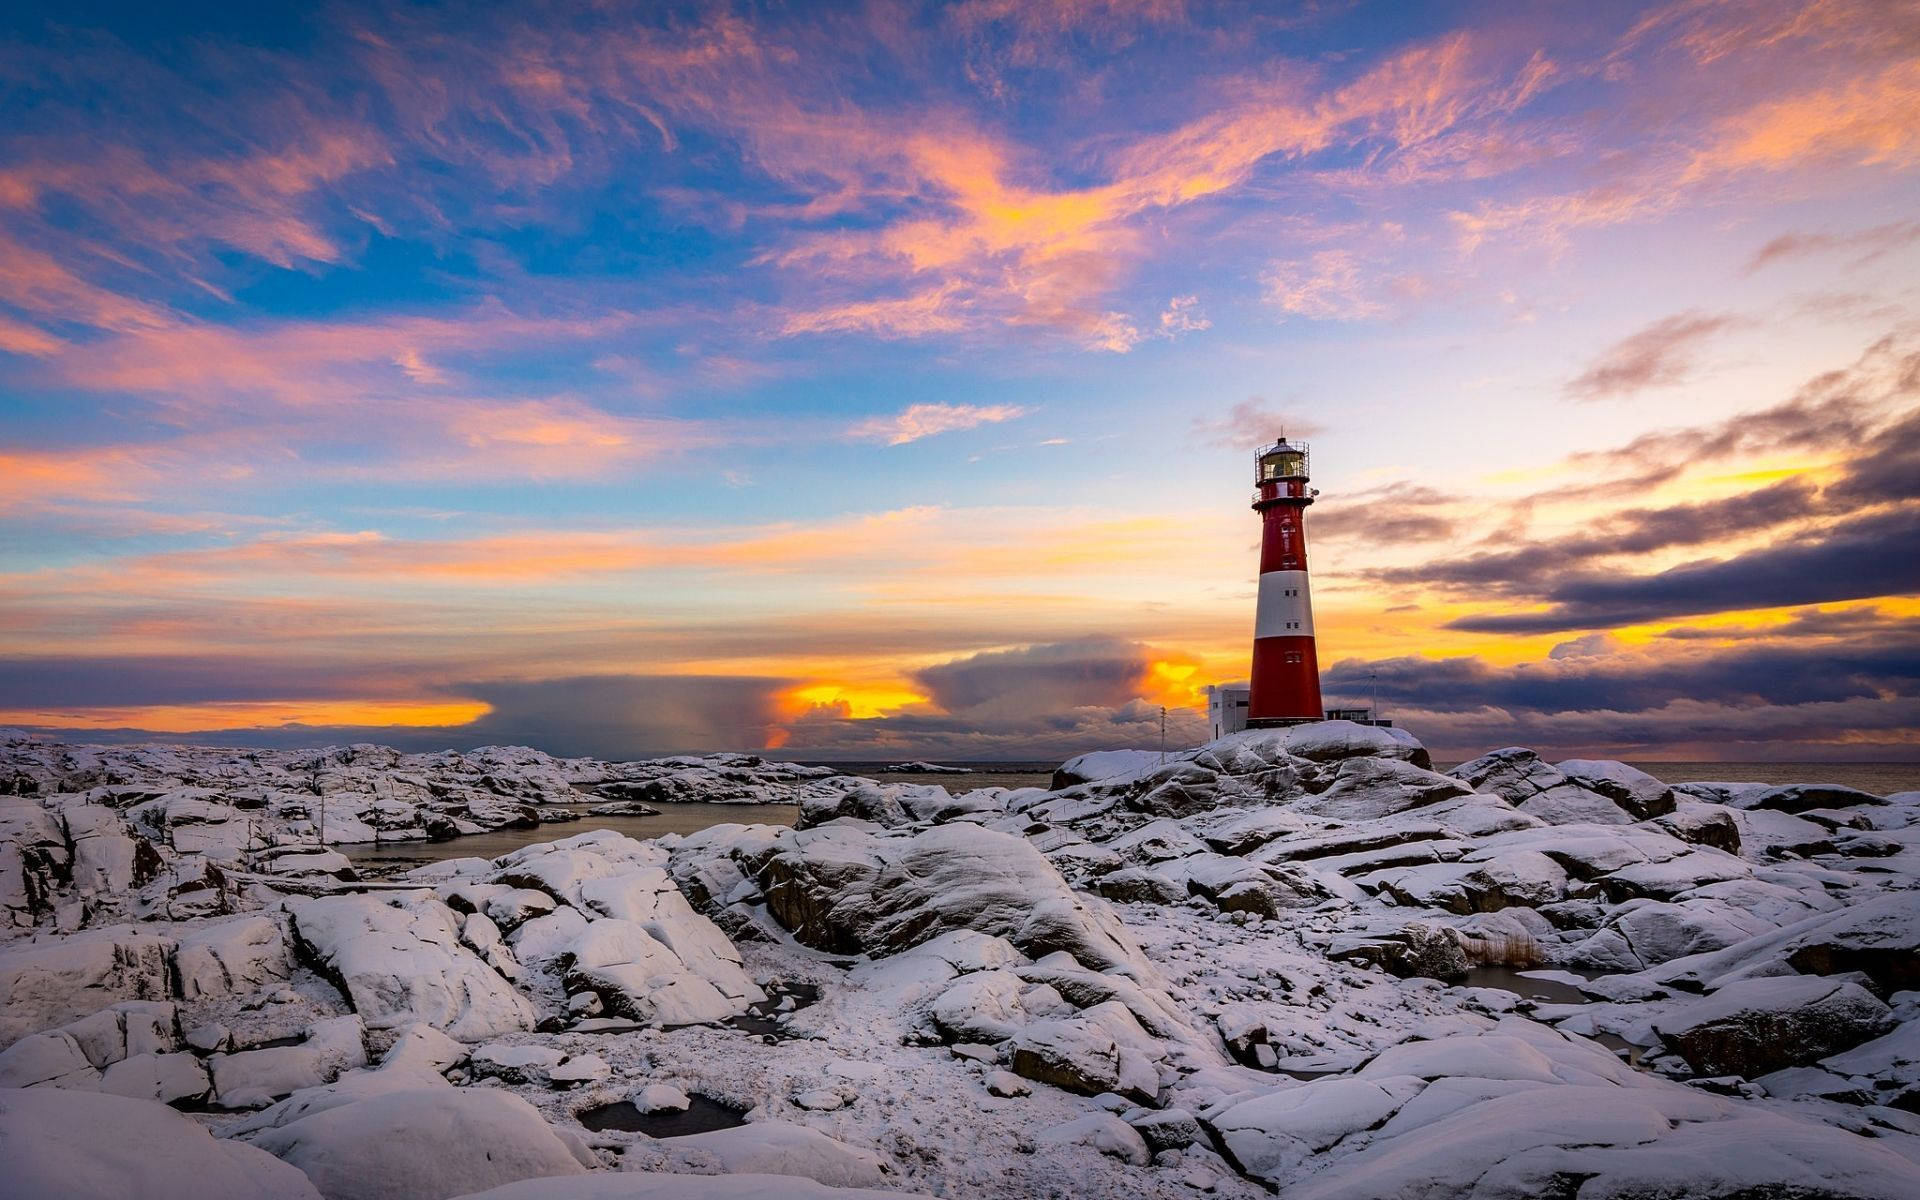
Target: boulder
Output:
{"points": [[1100, 1050], [256, 1078], [1755, 1026], [65, 1145], [1272, 1135], [1103, 1132], [51, 1058], [162, 1077], [1638, 793], [426, 1144], [47, 984], [780, 1149], [399, 959], [242, 955]]}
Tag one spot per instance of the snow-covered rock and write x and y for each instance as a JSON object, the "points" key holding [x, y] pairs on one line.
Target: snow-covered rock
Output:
{"points": [[779, 1148], [429, 1143], [65, 1145], [399, 959], [1755, 1026]]}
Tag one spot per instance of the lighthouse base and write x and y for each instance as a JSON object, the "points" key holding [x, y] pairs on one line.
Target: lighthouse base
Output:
{"points": [[1332, 715]]}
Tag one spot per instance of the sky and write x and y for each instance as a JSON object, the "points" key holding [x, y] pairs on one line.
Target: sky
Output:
{"points": [[881, 380]]}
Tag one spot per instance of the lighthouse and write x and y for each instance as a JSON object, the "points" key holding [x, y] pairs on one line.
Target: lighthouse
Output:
{"points": [[1286, 672]]}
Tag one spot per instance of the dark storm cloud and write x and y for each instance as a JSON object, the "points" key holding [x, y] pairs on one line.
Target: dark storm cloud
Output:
{"points": [[1048, 678], [1789, 673], [1662, 354], [118, 681], [627, 716], [1811, 623], [1867, 557], [1636, 531], [1887, 469], [1398, 514]]}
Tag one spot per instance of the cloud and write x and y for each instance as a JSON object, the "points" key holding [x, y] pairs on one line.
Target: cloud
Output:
{"points": [[1640, 531], [1183, 315], [1661, 355], [1859, 559], [918, 421], [1865, 245], [1041, 680], [1252, 423], [1394, 514], [1328, 286]]}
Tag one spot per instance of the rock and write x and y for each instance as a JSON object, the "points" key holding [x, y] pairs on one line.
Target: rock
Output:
{"points": [[51, 1058], [1800, 797], [1100, 1050], [242, 955], [429, 1143], [820, 1100], [1880, 938], [514, 906], [1103, 1132], [1006, 1083], [515, 1064], [1640, 794], [1169, 1129], [582, 1068], [1104, 765], [845, 890], [1272, 1135], [669, 1186], [47, 984], [661, 1097], [162, 1077], [1416, 948], [256, 1078], [779, 1148], [1756, 1026], [91, 1146], [399, 959], [424, 1047], [1703, 825], [984, 1006], [205, 1039], [1139, 885], [638, 976]]}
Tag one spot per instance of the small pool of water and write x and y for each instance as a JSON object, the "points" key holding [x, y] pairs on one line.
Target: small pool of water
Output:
{"points": [[763, 1018], [704, 1115], [1514, 979], [391, 857]]}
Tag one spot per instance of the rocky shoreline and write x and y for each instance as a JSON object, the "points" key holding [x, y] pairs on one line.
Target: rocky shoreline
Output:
{"points": [[1238, 971]]}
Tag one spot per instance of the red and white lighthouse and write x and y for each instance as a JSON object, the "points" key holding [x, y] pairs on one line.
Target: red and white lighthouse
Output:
{"points": [[1286, 672]]}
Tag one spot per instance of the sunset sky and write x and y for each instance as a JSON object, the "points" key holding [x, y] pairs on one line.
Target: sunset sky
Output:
{"points": [[881, 380]]}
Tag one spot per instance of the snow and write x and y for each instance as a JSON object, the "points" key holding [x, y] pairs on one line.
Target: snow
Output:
{"points": [[67, 1145], [430, 1143], [1231, 971], [779, 1148]]}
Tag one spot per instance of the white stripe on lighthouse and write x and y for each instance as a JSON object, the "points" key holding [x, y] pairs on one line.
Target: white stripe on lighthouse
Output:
{"points": [[1284, 609]]}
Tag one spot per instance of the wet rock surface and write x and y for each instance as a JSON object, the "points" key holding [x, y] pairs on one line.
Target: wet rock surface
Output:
{"points": [[1296, 959]]}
